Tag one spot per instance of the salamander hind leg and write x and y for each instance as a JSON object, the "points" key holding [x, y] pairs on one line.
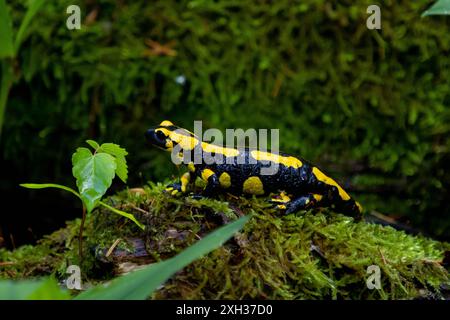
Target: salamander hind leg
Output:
{"points": [[305, 202], [280, 200]]}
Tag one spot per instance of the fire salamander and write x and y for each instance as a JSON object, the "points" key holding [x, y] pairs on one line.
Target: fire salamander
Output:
{"points": [[298, 184]]}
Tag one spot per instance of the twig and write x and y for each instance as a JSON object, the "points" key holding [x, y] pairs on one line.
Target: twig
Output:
{"points": [[382, 256], [111, 249], [137, 208]]}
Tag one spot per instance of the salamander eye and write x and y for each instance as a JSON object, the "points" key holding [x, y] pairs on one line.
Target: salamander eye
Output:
{"points": [[160, 135]]}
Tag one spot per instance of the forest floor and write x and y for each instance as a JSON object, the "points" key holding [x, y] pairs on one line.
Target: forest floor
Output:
{"points": [[316, 254]]}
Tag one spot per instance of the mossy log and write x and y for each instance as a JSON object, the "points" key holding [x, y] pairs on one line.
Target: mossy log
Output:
{"points": [[316, 254]]}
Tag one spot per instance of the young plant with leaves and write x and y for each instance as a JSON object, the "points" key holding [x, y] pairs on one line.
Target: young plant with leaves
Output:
{"points": [[94, 173]]}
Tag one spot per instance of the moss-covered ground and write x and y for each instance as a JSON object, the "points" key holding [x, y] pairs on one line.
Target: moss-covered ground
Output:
{"points": [[316, 254]]}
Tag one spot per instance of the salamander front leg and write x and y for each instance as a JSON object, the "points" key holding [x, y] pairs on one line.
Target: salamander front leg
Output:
{"points": [[179, 187], [212, 182]]}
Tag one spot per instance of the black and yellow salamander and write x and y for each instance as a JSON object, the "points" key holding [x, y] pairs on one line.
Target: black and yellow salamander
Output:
{"points": [[298, 184]]}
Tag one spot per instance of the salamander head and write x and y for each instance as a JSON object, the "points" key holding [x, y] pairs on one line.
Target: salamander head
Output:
{"points": [[167, 135]]}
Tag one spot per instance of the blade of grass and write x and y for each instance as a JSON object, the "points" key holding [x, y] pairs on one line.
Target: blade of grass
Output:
{"points": [[6, 33], [6, 81], [140, 284], [122, 213], [31, 12], [440, 7]]}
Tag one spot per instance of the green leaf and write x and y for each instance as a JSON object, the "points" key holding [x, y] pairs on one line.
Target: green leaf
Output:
{"points": [[93, 144], [6, 34], [441, 7], [49, 185], [31, 12], [122, 213], [58, 186], [119, 153], [114, 149], [94, 174], [44, 289], [140, 284]]}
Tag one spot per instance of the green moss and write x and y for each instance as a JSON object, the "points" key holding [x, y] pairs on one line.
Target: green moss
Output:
{"points": [[47, 257], [309, 255], [354, 100]]}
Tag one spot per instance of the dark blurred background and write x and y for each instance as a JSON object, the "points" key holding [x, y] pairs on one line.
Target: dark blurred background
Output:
{"points": [[369, 106]]}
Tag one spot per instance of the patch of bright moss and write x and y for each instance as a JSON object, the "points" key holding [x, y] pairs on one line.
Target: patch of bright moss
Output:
{"points": [[316, 254]]}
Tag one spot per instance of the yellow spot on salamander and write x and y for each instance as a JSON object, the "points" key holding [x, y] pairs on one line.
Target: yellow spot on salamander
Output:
{"points": [[318, 197], [225, 180], [169, 144], [185, 142], [166, 123], [253, 185], [191, 167], [185, 178], [211, 148], [285, 197], [324, 178], [288, 161], [360, 208], [206, 173], [282, 198]]}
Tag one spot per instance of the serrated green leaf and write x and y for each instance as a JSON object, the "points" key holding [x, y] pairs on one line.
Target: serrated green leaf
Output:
{"points": [[122, 169], [119, 153], [441, 7], [80, 153], [6, 33], [94, 174], [140, 284], [93, 144], [113, 149]]}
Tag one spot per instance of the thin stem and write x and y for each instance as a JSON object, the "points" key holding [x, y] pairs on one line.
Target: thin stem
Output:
{"points": [[80, 237]]}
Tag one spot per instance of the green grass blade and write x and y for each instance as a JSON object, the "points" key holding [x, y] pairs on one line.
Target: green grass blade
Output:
{"points": [[140, 284], [43, 289], [49, 185], [6, 81], [122, 213], [31, 12], [441, 7], [6, 33]]}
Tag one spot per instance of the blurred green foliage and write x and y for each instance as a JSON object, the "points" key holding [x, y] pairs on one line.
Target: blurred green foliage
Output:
{"points": [[370, 107]]}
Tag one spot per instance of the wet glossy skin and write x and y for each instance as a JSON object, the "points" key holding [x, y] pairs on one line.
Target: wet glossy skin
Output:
{"points": [[238, 171]]}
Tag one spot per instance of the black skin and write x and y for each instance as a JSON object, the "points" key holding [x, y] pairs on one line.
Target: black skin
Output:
{"points": [[300, 183]]}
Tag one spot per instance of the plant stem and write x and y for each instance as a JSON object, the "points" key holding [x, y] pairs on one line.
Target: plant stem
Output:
{"points": [[80, 237]]}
